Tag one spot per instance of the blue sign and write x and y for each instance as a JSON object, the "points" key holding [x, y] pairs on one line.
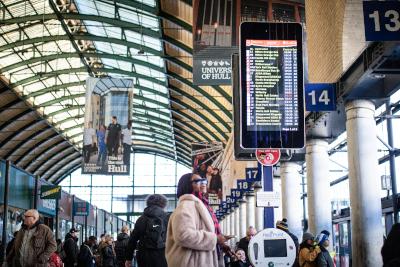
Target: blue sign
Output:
{"points": [[382, 20], [320, 97], [236, 194], [243, 185], [230, 200], [253, 175], [224, 205]]}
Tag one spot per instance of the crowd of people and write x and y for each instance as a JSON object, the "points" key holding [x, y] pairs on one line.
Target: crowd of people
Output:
{"points": [[189, 236]]}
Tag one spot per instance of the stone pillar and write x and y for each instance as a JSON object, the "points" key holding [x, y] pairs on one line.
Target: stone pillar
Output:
{"points": [[365, 200], [292, 207], [243, 215], [237, 225], [251, 208], [232, 241], [318, 186], [228, 224], [259, 212]]}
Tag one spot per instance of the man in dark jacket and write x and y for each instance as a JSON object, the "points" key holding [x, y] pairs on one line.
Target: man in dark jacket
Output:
{"points": [[33, 244], [71, 248], [283, 225], [85, 256], [150, 231], [244, 242], [121, 245]]}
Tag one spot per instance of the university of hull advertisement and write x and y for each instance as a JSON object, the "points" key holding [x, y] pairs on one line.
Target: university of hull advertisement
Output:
{"points": [[205, 155], [107, 132], [216, 32]]}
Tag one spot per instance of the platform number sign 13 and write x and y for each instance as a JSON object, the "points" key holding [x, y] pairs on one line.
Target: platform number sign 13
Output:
{"points": [[382, 20], [320, 97]]}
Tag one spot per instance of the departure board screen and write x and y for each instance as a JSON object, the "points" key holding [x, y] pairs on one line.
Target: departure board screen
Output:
{"points": [[271, 85]]}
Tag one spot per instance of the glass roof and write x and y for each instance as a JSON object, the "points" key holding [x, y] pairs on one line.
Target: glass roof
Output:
{"points": [[48, 60]]}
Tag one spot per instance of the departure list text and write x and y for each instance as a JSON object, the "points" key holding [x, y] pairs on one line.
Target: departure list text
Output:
{"points": [[271, 70]]}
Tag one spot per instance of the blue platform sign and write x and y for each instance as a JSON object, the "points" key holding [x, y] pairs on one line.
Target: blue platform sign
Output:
{"points": [[81, 208], [236, 194], [243, 185], [382, 20], [320, 97], [253, 175]]}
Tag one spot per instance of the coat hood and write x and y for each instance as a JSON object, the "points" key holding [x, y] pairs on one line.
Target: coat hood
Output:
{"points": [[33, 226], [122, 236], [154, 211], [68, 235]]}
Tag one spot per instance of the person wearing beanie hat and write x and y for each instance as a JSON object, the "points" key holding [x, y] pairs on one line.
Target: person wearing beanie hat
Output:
{"points": [[308, 251], [324, 258], [283, 225]]}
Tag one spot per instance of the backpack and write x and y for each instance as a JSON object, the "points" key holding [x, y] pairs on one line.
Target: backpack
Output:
{"points": [[155, 233]]}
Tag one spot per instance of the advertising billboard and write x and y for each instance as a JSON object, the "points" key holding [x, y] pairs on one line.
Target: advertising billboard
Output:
{"points": [[107, 132]]}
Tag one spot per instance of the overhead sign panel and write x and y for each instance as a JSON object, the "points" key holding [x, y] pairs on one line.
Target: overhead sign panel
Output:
{"points": [[50, 192], [382, 20], [271, 74]]}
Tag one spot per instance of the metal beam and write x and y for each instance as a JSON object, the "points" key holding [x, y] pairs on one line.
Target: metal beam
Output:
{"points": [[45, 159], [54, 168], [60, 157], [54, 89], [59, 99], [200, 103], [204, 93], [34, 146], [19, 131], [184, 25], [27, 165], [202, 116], [63, 110], [85, 17], [85, 55], [83, 70], [15, 118]]}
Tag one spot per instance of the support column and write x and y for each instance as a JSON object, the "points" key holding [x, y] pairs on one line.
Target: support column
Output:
{"points": [[292, 208], [259, 211], [242, 213], [237, 225], [365, 200], [228, 224], [232, 241], [318, 186], [251, 209]]}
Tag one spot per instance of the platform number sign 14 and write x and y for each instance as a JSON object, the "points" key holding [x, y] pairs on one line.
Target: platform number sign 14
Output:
{"points": [[382, 20], [320, 97]]}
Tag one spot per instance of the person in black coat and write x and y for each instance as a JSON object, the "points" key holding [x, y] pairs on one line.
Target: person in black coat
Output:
{"points": [[121, 245], [148, 256], [244, 242], [391, 248], [108, 254], [283, 225], [85, 256], [71, 248]]}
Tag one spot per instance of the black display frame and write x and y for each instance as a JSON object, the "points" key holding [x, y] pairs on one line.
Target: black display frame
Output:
{"points": [[271, 139]]}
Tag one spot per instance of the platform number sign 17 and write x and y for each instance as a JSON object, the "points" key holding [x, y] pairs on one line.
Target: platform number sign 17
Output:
{"points": [[382, 20], [320, 97], [252, 174]]}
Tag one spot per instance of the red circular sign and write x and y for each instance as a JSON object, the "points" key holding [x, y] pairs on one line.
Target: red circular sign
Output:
{"points": [[268, 157]]}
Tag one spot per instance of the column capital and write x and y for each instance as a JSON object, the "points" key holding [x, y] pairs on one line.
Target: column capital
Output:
{"points": [[360, 109]]}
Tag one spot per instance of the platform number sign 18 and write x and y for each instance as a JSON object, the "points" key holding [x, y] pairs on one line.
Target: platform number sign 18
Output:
{"points": [[320, 97], [243, 185], [382, 20]]}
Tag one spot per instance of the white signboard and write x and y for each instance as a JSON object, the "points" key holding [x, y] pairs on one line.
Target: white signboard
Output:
{"points": [[268, 199]]}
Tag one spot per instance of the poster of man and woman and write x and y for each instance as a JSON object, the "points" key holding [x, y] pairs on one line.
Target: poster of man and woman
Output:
{"points": [[107, 135]]}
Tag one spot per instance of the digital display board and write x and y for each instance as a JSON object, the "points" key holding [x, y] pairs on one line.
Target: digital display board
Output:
{"points": [[275, 248], [271, 88], [271, 77]]}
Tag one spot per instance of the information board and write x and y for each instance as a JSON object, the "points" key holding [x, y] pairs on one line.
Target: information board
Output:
{"points": [[271, 85]]}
